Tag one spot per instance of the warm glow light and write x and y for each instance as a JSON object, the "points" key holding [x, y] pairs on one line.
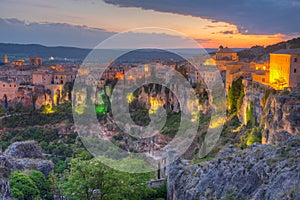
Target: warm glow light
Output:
{"points": [[119, 75], [48, 109], [79, 109], [195, 115], [155, 105], [217, 122], [210, 62], [130, 97], [146, 68], [238, 129]]}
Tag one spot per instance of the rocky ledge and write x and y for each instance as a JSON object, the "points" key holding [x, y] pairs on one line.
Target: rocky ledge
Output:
{"points": [[21, 156], [258, 172]]}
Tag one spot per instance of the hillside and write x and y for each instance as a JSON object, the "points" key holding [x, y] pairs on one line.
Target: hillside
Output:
{"points": [[27, 50], [257, 53]]}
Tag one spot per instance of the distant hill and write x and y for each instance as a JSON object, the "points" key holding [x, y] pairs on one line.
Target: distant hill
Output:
{"points": [[19, 51], [257, 53], [24, 51]]}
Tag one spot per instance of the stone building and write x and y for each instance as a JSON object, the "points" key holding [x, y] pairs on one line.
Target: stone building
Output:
{"points": [[8, 88], [226, 54], [285, 68], [47, 78], [5, 59], [37, 61]]}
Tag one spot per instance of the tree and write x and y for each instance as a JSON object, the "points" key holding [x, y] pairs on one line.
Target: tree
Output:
{"points": [[280, 83], [23, 187], [90, 179], [235, 95], [42, 184]]}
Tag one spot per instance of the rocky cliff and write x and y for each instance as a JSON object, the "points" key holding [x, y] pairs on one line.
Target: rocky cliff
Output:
{"points": [[278, 113], [282, 120], [21, 156], [259, 172]]}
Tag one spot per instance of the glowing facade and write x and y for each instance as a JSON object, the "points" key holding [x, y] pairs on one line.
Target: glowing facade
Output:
{"points": [[5, 59], [226, 54], [285, 68]]}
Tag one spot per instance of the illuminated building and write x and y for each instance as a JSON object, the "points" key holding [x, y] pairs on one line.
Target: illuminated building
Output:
{"points": [[36, 61], [226, 54], [5, 59], [19, 63], [261, 77], [46, 78], [285, 68], [236, 70]]}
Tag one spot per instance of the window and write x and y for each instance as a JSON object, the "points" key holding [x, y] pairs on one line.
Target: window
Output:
{"points": [[3, 85], [263, 80], [295, 70], [296, 60]]}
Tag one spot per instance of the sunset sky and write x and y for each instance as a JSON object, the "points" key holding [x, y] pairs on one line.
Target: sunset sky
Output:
{"points": [[211, 23]]}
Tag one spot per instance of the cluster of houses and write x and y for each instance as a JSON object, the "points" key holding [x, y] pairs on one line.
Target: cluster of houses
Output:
{"points": [[19, 77]]}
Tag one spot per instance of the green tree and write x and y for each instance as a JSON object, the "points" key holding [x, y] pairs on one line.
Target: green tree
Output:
{"points": [[23, 187], [42, 184], [235, 96], [90, 179]]}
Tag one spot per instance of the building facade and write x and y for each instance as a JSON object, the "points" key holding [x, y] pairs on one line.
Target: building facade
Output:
{"points": [[285, 68]]}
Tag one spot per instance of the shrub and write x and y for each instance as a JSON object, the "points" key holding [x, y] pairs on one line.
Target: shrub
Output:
{"points": [[23, 187]]}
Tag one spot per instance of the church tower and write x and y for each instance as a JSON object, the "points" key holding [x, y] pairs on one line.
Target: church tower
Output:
{"points": [[5, 59]]}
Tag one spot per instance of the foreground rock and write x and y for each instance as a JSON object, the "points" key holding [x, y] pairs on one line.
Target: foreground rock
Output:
{"points": [[21, 156], [259, 172]]}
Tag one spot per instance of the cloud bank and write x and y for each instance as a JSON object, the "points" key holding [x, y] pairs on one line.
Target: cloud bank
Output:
{"points": [[251, 16]]}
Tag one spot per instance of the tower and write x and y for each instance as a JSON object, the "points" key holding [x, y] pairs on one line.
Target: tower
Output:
{"points": [[5, 59]]}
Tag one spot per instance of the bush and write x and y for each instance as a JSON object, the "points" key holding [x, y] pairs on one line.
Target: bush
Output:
{"points": [[42, 184], [23, 187], [251, 136]]}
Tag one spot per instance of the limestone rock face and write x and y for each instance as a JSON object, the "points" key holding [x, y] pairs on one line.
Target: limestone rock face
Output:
{"points": [[21, 156], [259, 172], [27, 149], [282, 119], [251, 96]]}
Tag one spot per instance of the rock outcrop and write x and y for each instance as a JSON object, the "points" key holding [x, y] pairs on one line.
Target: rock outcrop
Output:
{"points": [[21, 156], [282, 120], [259, 172]]}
